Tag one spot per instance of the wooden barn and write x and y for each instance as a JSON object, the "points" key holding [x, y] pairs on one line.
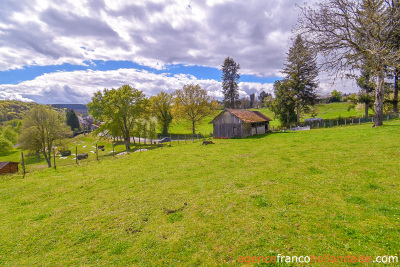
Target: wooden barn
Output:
{"points": [[239, 123], [8, 167]]}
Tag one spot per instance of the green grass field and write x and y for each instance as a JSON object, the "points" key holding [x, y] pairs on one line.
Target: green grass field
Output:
{"points": [[315, 192], [325, 111]]}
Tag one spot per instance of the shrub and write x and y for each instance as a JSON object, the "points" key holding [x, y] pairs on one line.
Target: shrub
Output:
{"points": [[5, 146]]}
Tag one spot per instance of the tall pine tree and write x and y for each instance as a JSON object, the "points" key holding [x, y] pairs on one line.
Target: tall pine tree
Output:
{"points": [[72, 120], [230, 78], [301, 76]]}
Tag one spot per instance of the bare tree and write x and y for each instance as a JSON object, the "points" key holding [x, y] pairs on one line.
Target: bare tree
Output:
{"points": [[345, 32]]}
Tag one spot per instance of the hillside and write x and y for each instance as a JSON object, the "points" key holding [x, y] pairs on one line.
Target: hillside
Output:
{"points": [[12, 109], [314, 192]]}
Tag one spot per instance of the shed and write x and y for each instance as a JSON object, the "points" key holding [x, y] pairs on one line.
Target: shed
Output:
{"points": [[240, 122], [8, 167]]}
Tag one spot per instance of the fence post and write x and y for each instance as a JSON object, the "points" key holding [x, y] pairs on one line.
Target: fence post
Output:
{"points": [[23, 163], [170, 140], [178, 139], [113, 151], [185, 139], [54, 156], [97, 153], [139, 143]]}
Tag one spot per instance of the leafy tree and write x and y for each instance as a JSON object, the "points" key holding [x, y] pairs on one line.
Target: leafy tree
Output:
{"points": [[10, 134], [347, 32], [230, 78], [252, 100], [284, 104], [5, 145], [161, 106], [336, 96], [122, 107], [192, 103], [301, 74], [41, 128], [72, 120]]}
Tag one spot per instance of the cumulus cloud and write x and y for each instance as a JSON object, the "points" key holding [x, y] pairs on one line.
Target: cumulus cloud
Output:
{"points": [[79, 86], [153, 33]]}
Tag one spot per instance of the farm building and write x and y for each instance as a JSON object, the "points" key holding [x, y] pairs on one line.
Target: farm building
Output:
{"points": [[8, 167], [239, 122]]}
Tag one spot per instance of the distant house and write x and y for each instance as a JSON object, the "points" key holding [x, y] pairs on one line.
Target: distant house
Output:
{"points": [[8, 167], [239, 122]]}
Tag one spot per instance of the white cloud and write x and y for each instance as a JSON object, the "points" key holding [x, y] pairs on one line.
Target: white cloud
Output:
{"points": [[79, 86], [153, 33]]}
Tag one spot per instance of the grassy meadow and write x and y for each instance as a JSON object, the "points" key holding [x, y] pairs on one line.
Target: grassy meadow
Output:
{"points": [[315, 192], [325, 111]]}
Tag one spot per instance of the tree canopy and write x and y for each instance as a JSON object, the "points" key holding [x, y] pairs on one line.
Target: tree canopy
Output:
{"points": [[41, 127], [346, 32], [119, 108], [192, 103], [230, 78], [301, 75], [161, 107]]}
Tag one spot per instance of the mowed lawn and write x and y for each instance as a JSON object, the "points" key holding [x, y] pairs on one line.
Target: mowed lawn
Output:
{"points": [[326, 191]]}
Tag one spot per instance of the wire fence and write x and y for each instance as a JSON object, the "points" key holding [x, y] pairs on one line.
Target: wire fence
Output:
{"points": [[338, 122]]}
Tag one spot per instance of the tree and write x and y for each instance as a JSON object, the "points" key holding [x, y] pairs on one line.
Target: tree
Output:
{"points": [[72, 120], [193, 104], [336, 96], [366, 83], [5, 145], [346, 32], [301, 74], [121, 107], [230, 78], [10, 134], [161, 106], [41, 128], [284, 104]]}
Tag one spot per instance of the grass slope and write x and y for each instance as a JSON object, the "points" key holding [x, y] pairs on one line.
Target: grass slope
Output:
{"points": [[323, 191], [325, 111]]}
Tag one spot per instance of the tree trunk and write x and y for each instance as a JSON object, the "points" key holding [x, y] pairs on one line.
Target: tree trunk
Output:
{"points": [[193, 128], [46, 158], [366, 110], [127, 141], [298, 113], [379, 94], [396, 93]]}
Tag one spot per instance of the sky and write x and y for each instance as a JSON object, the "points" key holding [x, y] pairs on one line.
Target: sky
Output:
{"points": [[62, 51]]}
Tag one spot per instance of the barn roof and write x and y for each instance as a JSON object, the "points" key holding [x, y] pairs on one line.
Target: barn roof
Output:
{"points": [[5, 163], [248, 116]]}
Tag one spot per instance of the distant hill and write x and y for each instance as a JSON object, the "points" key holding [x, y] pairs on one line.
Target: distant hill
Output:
{"points": [[12, 109], [78, 108]]}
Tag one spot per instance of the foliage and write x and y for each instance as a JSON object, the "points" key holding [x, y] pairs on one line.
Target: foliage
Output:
{"points": [[10, 134], [120, 108], [12, 109], [348, 32], [161, 107], [230, 78], [41, 128], [284, 103], [336, 96], [5, 145], [72, 120], [301, 74], [193, 104]]}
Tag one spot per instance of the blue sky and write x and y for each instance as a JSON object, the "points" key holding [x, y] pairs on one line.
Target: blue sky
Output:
{"points": [[16, 76], [64, 51]]}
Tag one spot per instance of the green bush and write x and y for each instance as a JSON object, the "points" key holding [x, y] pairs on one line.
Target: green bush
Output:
{"points": [[5, 146]]}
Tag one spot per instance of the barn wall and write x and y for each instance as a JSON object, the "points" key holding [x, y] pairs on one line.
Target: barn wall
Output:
{"points": [[246, 129], [9, 168], [227, 130]]}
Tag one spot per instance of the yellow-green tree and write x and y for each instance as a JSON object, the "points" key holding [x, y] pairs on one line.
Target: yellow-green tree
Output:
{"points": [[192, 103], [161, 107], [41, 128], [119, 108]]}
